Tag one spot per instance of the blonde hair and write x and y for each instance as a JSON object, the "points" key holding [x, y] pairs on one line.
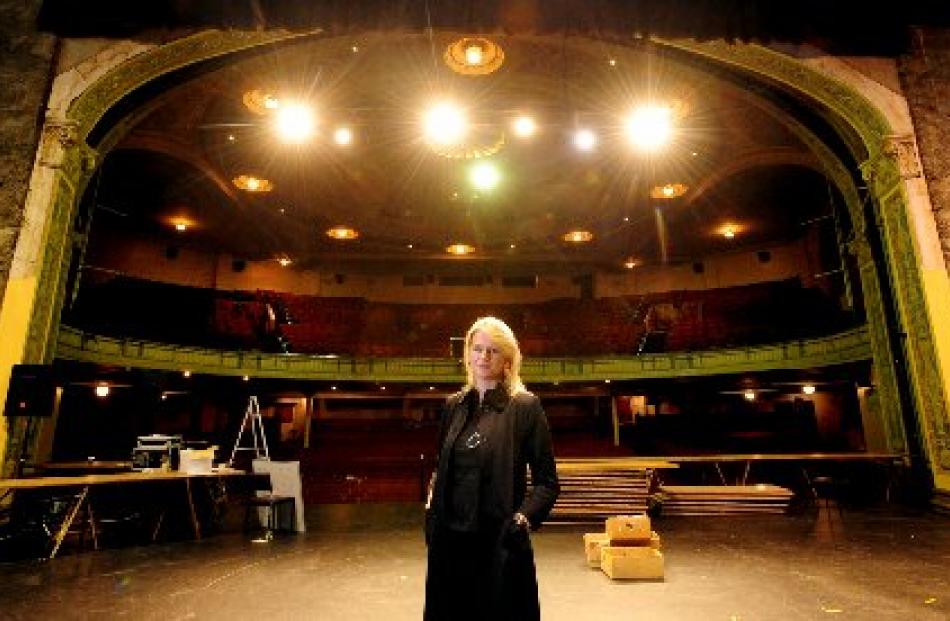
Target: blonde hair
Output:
{"points": [[504, 338]]}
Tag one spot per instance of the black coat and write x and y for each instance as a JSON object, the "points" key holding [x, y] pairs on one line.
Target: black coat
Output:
{"points": [[524, 441]]}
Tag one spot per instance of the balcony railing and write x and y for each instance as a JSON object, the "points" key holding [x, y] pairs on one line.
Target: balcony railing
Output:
{"points": [[849, 346]]}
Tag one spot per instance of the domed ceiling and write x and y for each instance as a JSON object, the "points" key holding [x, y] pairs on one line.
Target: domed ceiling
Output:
{"points": [[732, 158]]}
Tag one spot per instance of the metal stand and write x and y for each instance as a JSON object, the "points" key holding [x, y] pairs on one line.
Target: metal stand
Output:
{"points": [[252, 417]]}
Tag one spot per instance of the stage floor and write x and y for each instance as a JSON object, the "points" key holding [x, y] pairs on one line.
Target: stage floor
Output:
{"points": [[368, 562]]}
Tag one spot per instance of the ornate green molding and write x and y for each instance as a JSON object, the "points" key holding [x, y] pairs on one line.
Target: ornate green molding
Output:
{"points": [[869, 123], [887, 161], [885, 178], [850, 346], [89, 107]]}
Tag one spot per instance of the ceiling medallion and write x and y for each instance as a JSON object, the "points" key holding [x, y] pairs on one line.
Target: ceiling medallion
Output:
{"points": [[491, 145], [460, 249], [474, 56], [250, 183], [342, 232], [260, 102], [578, 237], [668, 191]]}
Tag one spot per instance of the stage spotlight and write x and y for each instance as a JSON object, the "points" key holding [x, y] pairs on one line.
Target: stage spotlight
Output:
{"points": [[485, 176], [295, 123], [585, 139], [445, 124], [650, 128], [524, 126], [343, 136]]}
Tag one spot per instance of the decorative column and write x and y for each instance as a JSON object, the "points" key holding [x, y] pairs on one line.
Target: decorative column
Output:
{"points": [[29, 317]]}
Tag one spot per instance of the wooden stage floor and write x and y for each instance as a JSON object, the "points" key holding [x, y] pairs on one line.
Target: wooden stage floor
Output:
{"points": [[368, 562]]}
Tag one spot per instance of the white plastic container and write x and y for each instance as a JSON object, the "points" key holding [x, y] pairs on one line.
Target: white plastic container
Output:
{"points": [[194, 461]]}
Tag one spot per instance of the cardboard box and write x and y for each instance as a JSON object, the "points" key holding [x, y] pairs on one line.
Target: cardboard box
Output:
{"points": [[654, 542], [593, 542], [631, 563], [630, 529]]}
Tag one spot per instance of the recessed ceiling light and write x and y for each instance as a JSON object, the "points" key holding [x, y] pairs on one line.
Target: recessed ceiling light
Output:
{"points": [[808, 389], [578, 236], [474, 56], [102, 390], [252, 183], [260, 101], [729, 230], [342, 232], [668, 191], [749, 395], [460, 249]]}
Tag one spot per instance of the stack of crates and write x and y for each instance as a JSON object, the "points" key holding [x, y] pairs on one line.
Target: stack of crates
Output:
{"points": [[629, 549]]}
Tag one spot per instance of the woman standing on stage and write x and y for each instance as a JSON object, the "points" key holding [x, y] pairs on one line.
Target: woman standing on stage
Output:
{"points": [[479, 512]]}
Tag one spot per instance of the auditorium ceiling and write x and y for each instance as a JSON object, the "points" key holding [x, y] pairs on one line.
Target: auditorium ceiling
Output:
{"points": [[733, 158]]}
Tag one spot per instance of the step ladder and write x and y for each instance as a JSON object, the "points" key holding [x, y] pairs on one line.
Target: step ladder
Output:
{"points": [[255, 426]]}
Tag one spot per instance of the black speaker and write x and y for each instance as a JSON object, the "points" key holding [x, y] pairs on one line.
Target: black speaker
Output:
{"points": [[32, 391]]}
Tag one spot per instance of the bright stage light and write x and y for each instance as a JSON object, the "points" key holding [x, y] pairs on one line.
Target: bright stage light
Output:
{"points": [[808, 389], [524, 126], [650, 128], [485, 176], [445, 124], [585, 139], [295, 123], [343, 136], [102, 391]]}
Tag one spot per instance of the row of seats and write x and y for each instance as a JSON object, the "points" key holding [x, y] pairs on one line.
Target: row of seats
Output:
{"points": [[669, 321]]}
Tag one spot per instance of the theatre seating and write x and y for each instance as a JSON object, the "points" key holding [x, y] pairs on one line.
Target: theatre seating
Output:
{"points": [[622, 325]]}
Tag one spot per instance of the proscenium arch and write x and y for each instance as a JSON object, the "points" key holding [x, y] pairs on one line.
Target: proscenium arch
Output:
{"points": [[916, 273], [32, 302]]}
